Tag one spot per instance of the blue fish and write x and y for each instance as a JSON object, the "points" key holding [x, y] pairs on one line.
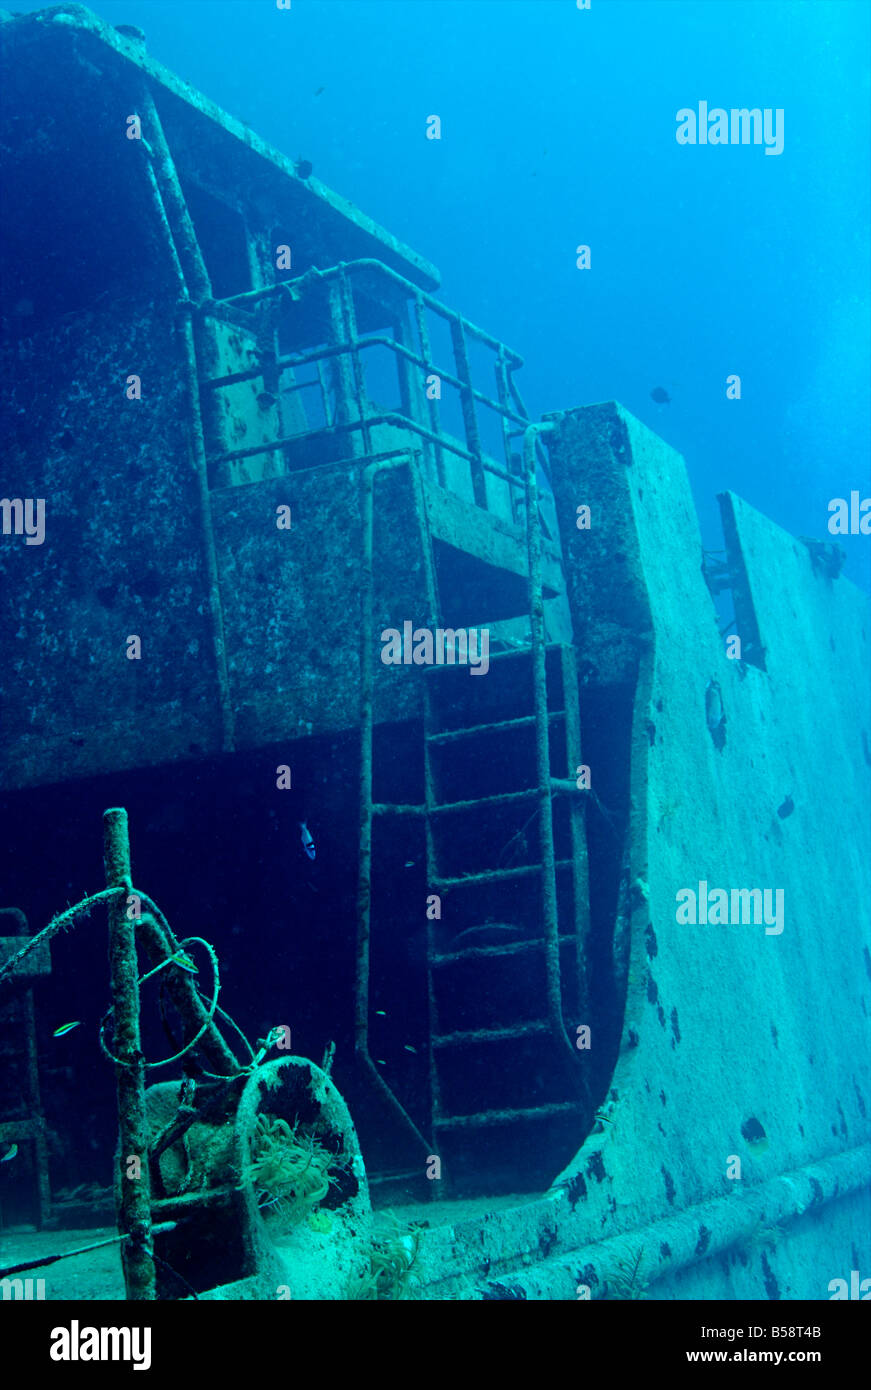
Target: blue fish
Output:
{"points": [[308, 843]]}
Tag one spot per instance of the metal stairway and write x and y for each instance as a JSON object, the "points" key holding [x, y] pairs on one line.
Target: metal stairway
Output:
{"points": [[244, 353], [506, 859], [505, 961]]}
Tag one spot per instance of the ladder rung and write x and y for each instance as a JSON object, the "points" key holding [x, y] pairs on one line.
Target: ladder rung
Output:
{"points": [[500, 799], [186, 1200], [507, 948], [494, 656], [487, 876], [506, 1117], [488, 1035], [397, 808], [562, 785], [512, 652], [496, 875], [526, 722]]}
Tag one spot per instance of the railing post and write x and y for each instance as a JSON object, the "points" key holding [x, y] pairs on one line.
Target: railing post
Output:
{"points": [[132, 1188], [473, 439], [432, 405], [542, 739]]}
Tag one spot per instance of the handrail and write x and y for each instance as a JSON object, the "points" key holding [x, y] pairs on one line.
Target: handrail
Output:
{"points": [[391, 417], [369, 263], [346, 346]]}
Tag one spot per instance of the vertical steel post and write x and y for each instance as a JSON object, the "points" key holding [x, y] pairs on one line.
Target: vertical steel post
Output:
{"points": [[349, 318], [578, 838], [132, 1182], [542, 740], [515, 494], [473, 439], [348, 409], [432, 405]]}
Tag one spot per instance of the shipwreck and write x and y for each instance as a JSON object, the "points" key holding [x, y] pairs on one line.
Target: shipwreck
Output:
{"points": [[261, 442]]}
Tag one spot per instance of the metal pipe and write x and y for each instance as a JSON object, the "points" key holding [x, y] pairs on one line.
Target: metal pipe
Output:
{"points": [[413, 291], [432, 404], [542, 742], [470, 422], [132, 1188], [388, 418], [349, 318], [216, 617], [184, 236], [302, 359], [159, 946], [577, 828]]}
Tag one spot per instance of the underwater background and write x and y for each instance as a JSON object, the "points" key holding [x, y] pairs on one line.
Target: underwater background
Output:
{"points": [[558, 128]]}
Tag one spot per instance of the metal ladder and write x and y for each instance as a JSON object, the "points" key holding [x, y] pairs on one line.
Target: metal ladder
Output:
{"points": [[526, 995], [548, 963]]}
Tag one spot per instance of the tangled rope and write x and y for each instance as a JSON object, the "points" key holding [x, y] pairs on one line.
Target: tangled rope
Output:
{"points": [[210, 1014], [63, 921]]}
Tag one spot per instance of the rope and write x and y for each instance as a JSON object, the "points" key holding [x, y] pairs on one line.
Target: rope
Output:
{"points": [[165, 1061], [67, 918], [61, 921]]}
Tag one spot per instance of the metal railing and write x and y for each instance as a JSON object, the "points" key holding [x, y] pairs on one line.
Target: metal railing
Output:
{"points": [[422, 415]]}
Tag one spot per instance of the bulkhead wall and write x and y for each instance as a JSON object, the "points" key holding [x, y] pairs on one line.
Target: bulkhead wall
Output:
{"points": [[122, 556], [732, 1154]]}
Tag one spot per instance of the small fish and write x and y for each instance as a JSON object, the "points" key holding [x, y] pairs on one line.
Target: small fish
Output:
{"points": [[319, 90], [303, 168], [266, 400], [408, 1047], [714, 713], [382, 1013], [10, 1153], [660, 395], [308, 843], [409, 863], [65, 1028], [381, 1062], [184, 962]]}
